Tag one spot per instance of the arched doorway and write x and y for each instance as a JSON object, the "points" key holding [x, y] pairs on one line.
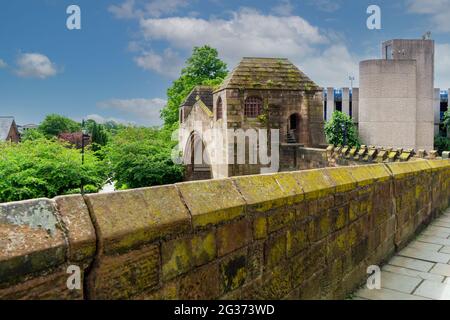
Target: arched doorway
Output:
{"points": [[293, 128], [196, 160]]}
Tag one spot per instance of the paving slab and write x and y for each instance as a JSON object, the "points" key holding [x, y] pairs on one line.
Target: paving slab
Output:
{"points": [[399, 282], [441, 269], [432, 239], [424, 254], [445, 249], [435, 233], [410, 263], [386, 294], [425, 245], [433, 290], [414, 273]]}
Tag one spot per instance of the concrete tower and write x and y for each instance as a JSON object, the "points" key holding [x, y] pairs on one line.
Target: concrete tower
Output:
{"points": [[396, 96]]}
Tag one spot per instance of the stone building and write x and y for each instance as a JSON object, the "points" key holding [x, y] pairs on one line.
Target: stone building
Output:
{"points": [[260, 93], [8, 130], [396, 96]]}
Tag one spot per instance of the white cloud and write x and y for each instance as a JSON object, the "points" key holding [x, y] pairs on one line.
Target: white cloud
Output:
{"points": [[167, 64], [438, 10], [250, 33], [2, 64], [442, 66], [100, 119], [35, 65], [125, 10], [332, 67], [246, 33], [146, 109], [130, 9], [284, 8]]}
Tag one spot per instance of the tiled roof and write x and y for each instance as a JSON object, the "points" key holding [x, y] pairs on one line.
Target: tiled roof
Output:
{"points": [[267, 73], [205, 93], [5, 127]]}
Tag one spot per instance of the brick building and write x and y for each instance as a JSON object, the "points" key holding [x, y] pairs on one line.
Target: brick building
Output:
{"points": [[8, 130]]}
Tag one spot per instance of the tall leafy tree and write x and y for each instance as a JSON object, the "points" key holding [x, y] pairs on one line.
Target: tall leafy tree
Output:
{"points": [[141, 157], [55, 124], [203, 67], [341, 130]]}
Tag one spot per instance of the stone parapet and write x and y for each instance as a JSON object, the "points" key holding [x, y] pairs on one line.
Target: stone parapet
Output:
{"points": [[295, 235]]}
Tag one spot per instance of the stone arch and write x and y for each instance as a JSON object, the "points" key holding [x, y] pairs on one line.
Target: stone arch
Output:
{"points": [[196, 158]]}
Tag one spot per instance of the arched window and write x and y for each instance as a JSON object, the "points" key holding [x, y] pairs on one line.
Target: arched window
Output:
{"points": [[253, 106], [181, 115], [219, 109]]}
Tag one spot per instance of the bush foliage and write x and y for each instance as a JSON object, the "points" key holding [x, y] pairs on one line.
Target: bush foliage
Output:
{"points": [[341, 127], [46, 168]]}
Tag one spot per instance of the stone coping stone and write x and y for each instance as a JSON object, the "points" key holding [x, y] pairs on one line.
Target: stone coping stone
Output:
{"points": [[315, 183], [212, 202], [368, 174], [404, 169], [127, 220], [341, 178], [80, 231], [31, 239], [439, 164], [262, 192]]}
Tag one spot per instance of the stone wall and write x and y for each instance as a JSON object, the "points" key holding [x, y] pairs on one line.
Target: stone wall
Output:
{"points": [[295, 235]]}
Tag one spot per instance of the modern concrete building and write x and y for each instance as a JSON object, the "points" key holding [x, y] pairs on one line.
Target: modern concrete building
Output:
{"points": [[396, 96], [332, 98]]}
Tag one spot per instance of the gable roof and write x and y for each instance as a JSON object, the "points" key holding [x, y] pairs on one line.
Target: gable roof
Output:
{"points": [[204, 93], [5, 127], [267, 73]]}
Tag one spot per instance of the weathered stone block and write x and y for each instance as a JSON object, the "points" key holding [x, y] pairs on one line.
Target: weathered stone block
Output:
{"points": [[315, 183], [124, 276], [31, 239], [261, 193], [181, 255], [275, 250], [80, 230], [233, 271], [213, 202], [233, 236], [130, 219], [202, 283]]}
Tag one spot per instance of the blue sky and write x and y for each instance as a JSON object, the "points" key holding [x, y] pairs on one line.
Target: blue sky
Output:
{"points": [[119, 65]]}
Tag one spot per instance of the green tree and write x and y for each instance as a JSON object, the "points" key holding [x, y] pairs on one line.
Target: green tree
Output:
{"points": [[202, 67], [340, 125], [46, 168], [55, 124], [31, 135], [441, 144], [99, 136], [141, 157], [446, 122]]}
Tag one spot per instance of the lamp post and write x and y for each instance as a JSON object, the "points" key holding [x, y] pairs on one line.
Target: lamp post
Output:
{"points": [[351, 78]]}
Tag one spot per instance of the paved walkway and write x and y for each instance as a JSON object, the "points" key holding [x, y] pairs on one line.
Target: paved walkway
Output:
{"points": [[421, 271]]}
